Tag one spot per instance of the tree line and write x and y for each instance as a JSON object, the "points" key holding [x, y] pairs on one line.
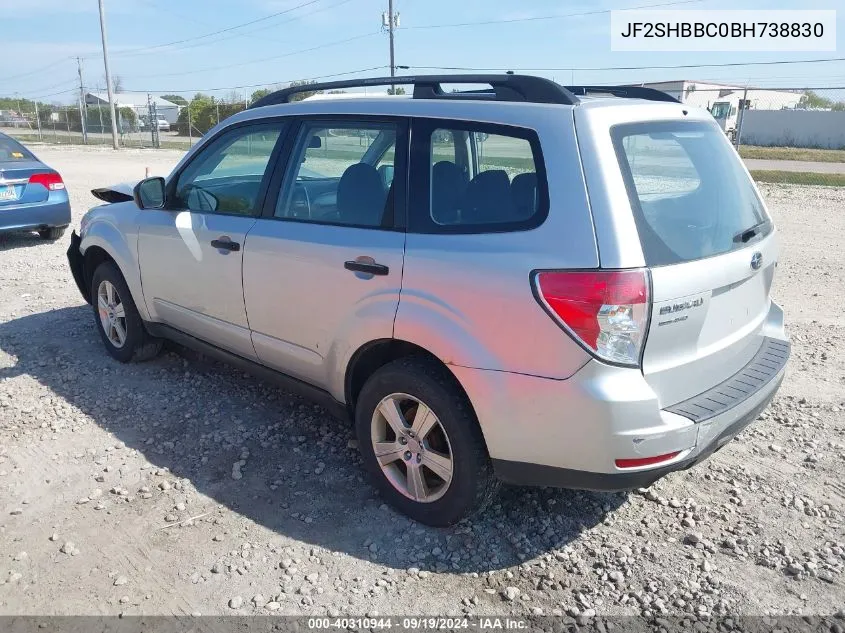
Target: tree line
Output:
{"points": [[204, 111]]}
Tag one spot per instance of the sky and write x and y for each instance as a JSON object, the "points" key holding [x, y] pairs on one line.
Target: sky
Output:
{"points": [[153, 43]]}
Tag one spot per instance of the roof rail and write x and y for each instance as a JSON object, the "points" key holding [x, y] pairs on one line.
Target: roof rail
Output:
{"points": [[507, 87], [625, 92]]}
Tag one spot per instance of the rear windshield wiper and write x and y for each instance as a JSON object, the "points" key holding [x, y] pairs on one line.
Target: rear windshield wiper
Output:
{"points": [[746, 234]]}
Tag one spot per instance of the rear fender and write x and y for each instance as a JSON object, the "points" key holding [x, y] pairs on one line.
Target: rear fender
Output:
{"points": [[425, 321], [436, 328]]}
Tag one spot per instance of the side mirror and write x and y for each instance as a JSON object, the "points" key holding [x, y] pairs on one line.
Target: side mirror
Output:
{"points": [[149, 193]]}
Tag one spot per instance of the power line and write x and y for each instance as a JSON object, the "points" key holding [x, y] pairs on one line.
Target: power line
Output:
{"points": [[134, 51], [603, 68], [55, 94], [271, 83], [250, 33], [37, 70], [264, 59], [170, 11], [47, 88], [547, 17]]}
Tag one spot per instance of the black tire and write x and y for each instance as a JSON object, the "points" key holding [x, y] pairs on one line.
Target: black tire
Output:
{"points": [[52, 234], [473, 485], [138, 344]]}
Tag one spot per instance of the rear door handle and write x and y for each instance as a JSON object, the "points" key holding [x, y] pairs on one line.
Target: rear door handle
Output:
{"points": [[225, 244], [370, 268]]}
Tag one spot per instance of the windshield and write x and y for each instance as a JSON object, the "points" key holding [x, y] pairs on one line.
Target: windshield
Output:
{"points": [[720, 110], [11, 151], [690, 195]]}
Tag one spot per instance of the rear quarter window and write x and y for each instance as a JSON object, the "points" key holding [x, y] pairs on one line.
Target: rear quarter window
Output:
{"points": [[476, 178], [690, 196]]}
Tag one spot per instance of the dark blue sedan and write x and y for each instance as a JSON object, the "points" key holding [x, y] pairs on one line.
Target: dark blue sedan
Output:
{"points": [[32, 196]]}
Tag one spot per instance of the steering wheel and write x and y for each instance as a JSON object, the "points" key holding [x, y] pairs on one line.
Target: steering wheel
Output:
{"points": [[206, 200], [300, 203]]}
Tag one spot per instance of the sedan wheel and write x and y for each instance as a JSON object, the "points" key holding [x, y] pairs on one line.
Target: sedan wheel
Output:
{"points": [[412, 448]]}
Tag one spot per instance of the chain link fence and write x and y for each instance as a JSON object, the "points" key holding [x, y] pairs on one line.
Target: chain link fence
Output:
{"points": [[137, 127], [784, 134]]}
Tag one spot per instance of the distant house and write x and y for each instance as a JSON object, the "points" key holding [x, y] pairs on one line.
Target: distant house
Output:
{"points": [[11, 118], [139, 102]]}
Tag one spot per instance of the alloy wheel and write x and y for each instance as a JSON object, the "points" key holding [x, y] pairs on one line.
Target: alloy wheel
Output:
{"points": [[112, 313], [412, 447]]}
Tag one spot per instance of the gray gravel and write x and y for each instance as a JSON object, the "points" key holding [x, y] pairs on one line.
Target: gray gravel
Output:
{"points": [[183, 486]]}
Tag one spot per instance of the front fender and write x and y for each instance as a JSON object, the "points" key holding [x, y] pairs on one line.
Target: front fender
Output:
{"points": [[122, 247]]}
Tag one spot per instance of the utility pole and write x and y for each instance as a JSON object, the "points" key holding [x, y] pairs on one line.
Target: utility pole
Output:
{"points": [[390, 21], [37, 119], [108, 75], [390, 31], [83, 109], [743, 105]]}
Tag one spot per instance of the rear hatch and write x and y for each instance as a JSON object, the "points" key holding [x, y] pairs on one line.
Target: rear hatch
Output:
{"points": [[711, 249]]}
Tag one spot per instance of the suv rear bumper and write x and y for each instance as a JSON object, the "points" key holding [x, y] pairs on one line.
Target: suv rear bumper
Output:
{"points": [[569, 433], [720, 432]]}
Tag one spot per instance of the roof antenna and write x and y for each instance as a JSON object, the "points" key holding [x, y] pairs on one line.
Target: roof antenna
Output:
{"points": [[509, 72]]}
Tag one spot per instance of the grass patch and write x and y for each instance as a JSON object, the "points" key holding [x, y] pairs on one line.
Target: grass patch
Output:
{"points": [[793, 153], [798, 178]]}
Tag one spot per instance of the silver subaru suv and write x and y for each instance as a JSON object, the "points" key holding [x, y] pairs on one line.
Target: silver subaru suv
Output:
{"points": [[520, 282]]}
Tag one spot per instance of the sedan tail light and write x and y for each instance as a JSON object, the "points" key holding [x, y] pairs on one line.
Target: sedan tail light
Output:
{"points": [[606, 311], [51, 180]]}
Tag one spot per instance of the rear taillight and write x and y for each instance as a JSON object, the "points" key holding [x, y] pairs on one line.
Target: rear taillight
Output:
{"points": [[50, 180], [606, 311]]}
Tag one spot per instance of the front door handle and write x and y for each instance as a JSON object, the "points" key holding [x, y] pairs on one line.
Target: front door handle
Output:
{"points": [[225, 244], [367, 267]]}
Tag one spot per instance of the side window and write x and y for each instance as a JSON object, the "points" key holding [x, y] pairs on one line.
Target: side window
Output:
{"points": [[226, 176], [482, 179], [341, 173]]}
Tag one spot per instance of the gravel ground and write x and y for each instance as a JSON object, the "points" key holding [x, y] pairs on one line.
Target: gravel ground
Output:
{"points": [[182, 486]]}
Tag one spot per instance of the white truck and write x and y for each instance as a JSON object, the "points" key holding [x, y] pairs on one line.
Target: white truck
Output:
{"points": [[726, 114]]}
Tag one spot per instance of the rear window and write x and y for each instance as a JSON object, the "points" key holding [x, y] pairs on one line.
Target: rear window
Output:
{"points": [[11, 151], [690, 196]]}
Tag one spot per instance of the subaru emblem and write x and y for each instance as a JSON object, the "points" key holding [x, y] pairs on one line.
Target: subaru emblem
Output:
{"points": [[756, 260]]}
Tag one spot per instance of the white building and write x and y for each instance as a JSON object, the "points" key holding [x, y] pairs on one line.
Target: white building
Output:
{"points": [[139, 102], [704, 94]]}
